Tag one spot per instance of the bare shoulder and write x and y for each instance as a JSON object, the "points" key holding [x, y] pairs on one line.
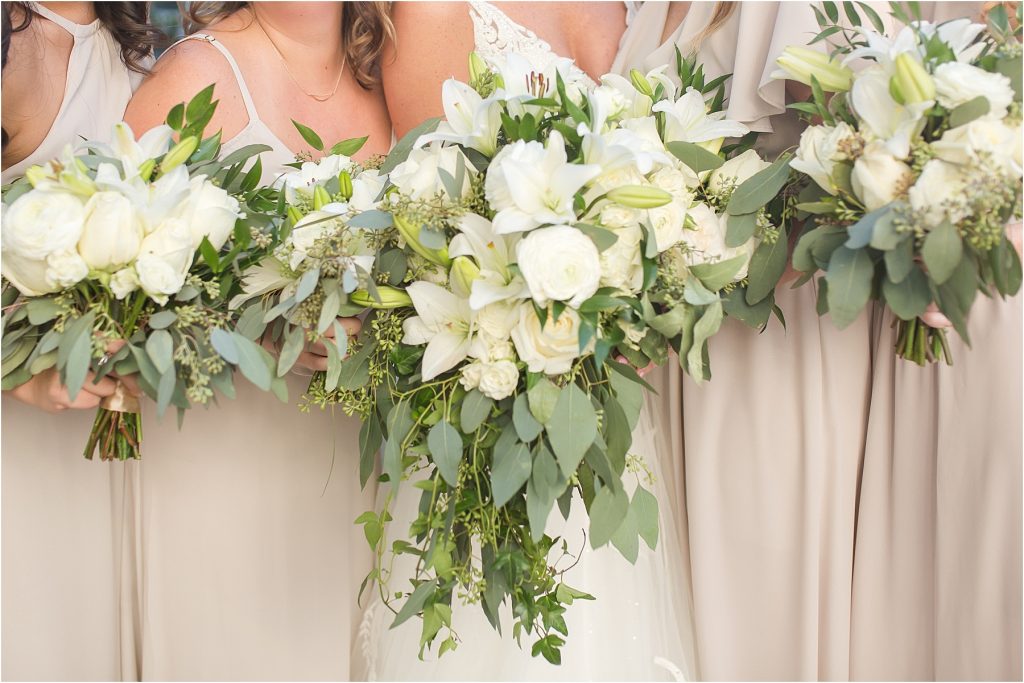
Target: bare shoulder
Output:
{"points": [[180, 73]]}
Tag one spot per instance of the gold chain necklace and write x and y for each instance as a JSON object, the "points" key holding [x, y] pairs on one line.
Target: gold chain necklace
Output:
{"points": [[318, 98]]}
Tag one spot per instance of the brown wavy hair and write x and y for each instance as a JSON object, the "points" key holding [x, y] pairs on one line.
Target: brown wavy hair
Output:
{"points": [[128, 22], [365, 29]]}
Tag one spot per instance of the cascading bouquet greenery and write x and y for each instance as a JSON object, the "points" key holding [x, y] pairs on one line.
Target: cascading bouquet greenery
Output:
{"points": [[914, 169], [544, 228], [120, 259]]}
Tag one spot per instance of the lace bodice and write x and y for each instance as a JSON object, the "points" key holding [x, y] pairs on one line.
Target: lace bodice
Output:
{"points": [[495, 35]]}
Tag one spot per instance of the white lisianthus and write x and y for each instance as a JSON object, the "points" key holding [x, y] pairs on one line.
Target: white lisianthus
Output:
{"points": [[668, 223], [124, 282], [878, 177], [957, 83], [886, 119], [164, 259], [112, 232], [550, 350], [819, 153], [993, 140], [938, 193], [559, 263], [418, 176], [301, 182], [735, 171], [529, 184], [65, 269], [469, 119], [706, 241], [210, 212], [42, 222], [499, 379], [621, 263], [687, 120]]}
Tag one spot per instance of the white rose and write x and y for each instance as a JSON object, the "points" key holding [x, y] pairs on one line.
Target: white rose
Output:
{"points": [[124, 282], [668, 222], [879, 177], [498, 380], [706, 241], [733, 172], [957, 83], [618, 216], [819, 152], [164, 259], [559, 263], [42, 222], [210, 212], [112, 232], [418, 176], [27, 275], [65, 269], [677, 181], [621, 264], [938, 192], [470, 375], [550, 350], [982, 137], [300, 183]]}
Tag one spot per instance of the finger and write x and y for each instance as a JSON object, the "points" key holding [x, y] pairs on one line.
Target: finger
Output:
{"points": [[352, 326], [84, 401], [115, 346], [933, 317], [315, 363], [105, 387], [643, 372], [316, 349]]}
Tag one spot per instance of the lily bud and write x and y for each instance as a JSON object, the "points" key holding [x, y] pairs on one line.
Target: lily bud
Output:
{"points": [[641, 83], [320, 198], [410, 233], [800, 63], [477, 67], [81, 185], [37, 174], [389, 298], [462, 274], [911, 83], [179, 154], [639, 196], [146, 169], [294, 214], [345, 185]]}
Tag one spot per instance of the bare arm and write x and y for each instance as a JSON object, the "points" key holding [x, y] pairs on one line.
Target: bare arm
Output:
{"points": [[434, 40]]}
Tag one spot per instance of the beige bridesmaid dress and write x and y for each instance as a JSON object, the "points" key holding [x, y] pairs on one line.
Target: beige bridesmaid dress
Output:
{"points": [[66, 602], [938, 571], [768, 451], [249, 562]]}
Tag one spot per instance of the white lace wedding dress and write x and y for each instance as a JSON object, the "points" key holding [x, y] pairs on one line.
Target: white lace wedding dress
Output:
{"points": [[637, 628]]}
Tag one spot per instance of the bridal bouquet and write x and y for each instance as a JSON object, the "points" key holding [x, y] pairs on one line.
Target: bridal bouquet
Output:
{"points": [[914, 170], [546, 230], [118, 260]]}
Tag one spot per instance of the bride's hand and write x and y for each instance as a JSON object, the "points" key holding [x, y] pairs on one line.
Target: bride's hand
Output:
{"points": [[315, 356]]}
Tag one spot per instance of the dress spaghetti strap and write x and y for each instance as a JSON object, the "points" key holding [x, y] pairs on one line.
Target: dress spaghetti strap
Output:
{"points": [[250, 106]]}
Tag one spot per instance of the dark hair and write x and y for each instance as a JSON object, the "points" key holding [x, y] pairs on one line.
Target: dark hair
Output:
{"points": [[128, 22], [365, 28]]}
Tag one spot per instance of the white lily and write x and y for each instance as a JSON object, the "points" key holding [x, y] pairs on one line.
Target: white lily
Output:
{"points": [[530, 184], [444, 322], [687, 120], [266, 276], [131, 153], [886, 119], [470, 120], [302, 181], [960, 35], [493, 255]]}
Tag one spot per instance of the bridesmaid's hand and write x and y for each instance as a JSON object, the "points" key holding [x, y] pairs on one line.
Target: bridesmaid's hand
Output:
{"points": [[315, 356], [640, 371]]}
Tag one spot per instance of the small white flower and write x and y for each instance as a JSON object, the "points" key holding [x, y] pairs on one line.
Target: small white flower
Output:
{"points": [[706, 241], [735, 171], [559, 263], [210, 212], [819, 152], [65, 269], [621, 263], [164, 259], [499, 379], [938, 193], [124, 282], [980, 139]]}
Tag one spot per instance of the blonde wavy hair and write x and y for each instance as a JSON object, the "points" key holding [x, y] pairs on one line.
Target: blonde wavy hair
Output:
{"points": [[365, 29], [723, 11]]}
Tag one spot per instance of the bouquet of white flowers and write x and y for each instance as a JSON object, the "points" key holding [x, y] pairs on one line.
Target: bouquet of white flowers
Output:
{"points": [[119, 259], [914, 169], [546, 227]]}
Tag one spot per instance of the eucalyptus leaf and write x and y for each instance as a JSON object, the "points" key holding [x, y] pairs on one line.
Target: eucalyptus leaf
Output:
{"points": [[740, 228], [162, 319], [542, 397], [715, 276], [695, 157], [160, 348], [400, 152], [766, 268], [255, 363], [645, 508], [942, 251], [527, 427], [355, 370], [512, 467], [572, 428], [626, 538], [735, 306], [42, 310], [475, 409], [224, 344], [760, 188], [602, 238], [607, 512], [703, 330], [415, 602], [899, 260], [291, 349], [370, 439], [861, 232], [908, 298], [399, 424], [307, 284], [969, 111], [884, 236], [374, 219], [165, 391], [446, 448], [849, 284]]}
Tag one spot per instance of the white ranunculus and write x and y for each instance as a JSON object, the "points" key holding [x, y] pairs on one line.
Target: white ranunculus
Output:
{"points": [[65, 269], [112, 232], [27, 275], [210, 212], [550, 350], [668, 223], [418, 176], [42, 222], [706, 241], [301, 182], [618, 216], [621, 263], [735, 171], [957, 83], [164, 259], [124, 282], [819, 152], [499, 379], [559, 263], [676, 180], [938, 192], [529, 184], [878, 177], [981, 140]]}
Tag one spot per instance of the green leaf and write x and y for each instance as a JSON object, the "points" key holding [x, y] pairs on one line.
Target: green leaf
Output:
{"points": [[715, 276], [626, 539], [370, 439], [861, 232], [329, 310], [969, 111], [542, 397], [695, 156], [629, 395], [908, 298], [42, 310], [942, 251], [176, 116], [291, 349], [160, 348], [802, 259], [349, 147], [399, 424], [766, 268], [899, 260], [165, 391], [224, 344], [400, 152], [309, 135], [307, 283], [527, 427], [255, 363], [617, 434], [740, 228], [475, 409], [414, 604], [645, 508], [703, 330], [545, 485], [885, 237], [198, 105], [760, 188], [162, 319], [446, 448], [374, 219], [606, 514], [355, 370], [572, 428], [735, 306], [849, 284], [511, 470], [602, 237]]}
